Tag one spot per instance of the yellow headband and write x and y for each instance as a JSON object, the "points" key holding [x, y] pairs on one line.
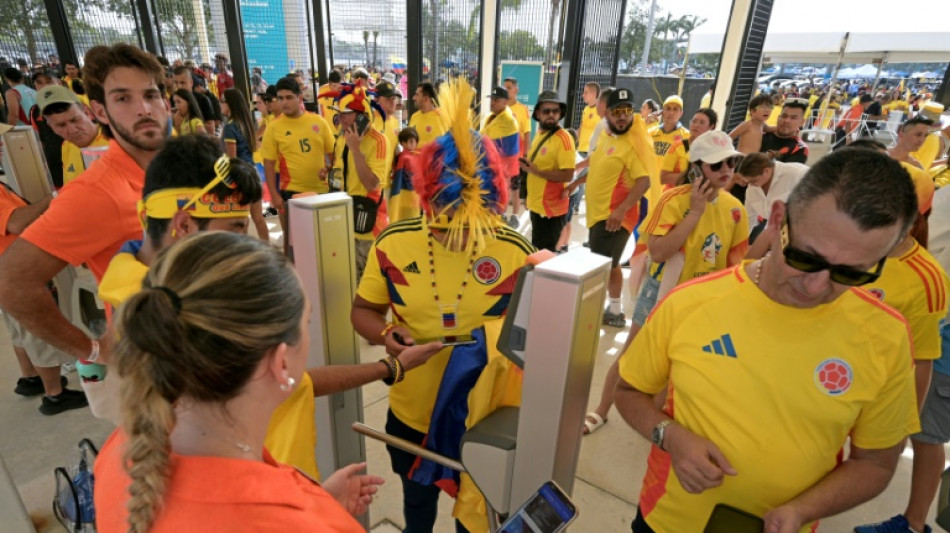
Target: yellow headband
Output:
{"points": [[196, 202]]}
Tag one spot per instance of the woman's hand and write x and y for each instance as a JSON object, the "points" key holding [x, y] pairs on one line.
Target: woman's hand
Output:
{"points": [[352, 489], [417, 355]]}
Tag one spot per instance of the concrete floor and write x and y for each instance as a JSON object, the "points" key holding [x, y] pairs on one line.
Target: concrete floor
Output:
{"points": [[611, 466]]}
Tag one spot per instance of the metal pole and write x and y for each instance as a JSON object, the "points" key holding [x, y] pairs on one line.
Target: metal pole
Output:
{"points": [[823, 105], [943, 91], [322, 70], [679, 92], [314, 81], [236, 49], [62, 36], [413, 48], [570, 62], [330, 33], [407, 446], [488, 50], [616, 63], [147, 27], [646, 45]]}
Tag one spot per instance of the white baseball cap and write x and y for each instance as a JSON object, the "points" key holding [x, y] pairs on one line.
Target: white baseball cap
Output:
{"points": [[712, 147]]}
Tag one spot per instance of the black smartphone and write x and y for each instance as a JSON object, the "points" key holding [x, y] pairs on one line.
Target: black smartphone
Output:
{"points": [[548, 511], [448, 340], [362, 122], [728, 519]]}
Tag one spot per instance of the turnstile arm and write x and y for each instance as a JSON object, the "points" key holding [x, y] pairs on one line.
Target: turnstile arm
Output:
{"points": [[407, 446]]}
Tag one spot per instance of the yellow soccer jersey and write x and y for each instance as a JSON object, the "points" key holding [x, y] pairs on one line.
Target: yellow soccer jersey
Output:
{"points": [[73, 164], [379, 158], [614, 168], [778, 403], [520, 111], [300, 145], [429, 126], [723, 228], [589, 120], [916, 285], [662, 142], [192, 127], [557, 153], [389, 128], [676, 158], [328, 114], [292, 433], [929, 151], [397, 274]]}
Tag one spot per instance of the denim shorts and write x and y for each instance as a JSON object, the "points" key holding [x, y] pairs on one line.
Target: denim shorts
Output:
{"points": [[646, 300]]}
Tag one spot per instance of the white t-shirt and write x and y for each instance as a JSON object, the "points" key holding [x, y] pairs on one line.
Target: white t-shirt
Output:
{"points": [[758, 204]]}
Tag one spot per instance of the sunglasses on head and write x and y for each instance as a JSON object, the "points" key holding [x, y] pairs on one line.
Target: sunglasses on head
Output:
{"points": [[810, 263], [623, 111], [731, 162]]}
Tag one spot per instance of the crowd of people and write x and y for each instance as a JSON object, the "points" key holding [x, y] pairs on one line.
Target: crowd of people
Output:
{"points": [[754, 352]]}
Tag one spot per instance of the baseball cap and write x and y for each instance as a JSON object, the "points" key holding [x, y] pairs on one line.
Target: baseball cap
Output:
{"points": [[673, 100], [932, 110], [360, 73], [55, 94], [499, 92], [620, 97], [385, 89], [712, 147]]}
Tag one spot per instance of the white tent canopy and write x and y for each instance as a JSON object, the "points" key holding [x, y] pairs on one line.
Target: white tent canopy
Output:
{"points": [[824, 47]]}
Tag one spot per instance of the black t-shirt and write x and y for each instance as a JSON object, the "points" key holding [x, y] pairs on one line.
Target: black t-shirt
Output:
{"points": [[52, 146], [204, 104], [789, 150], [873, 110]]}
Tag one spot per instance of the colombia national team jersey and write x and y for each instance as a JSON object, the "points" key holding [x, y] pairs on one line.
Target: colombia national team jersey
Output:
{"points": [[300, 145], [556, 153], [778, 403], [397, 274], [722, 229], [589, 120], [503, 129], [662, 142], [429, 126], [916, 285], [73, 164], [614, 169]]}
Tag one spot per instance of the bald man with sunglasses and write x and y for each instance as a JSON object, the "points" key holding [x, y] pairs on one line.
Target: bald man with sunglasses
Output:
{"points": [[770, 366]]}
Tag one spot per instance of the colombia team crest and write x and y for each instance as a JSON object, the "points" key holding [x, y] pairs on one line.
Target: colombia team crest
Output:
{"points": [[315, 128], [834, 377], [486, 270]]}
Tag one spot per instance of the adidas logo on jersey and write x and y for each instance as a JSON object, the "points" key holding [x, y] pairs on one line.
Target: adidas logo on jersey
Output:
{"points": [[721, 346], [287, 133], [412, 268]]}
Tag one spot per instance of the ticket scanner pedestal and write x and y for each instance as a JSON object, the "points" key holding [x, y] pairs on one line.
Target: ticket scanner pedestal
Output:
{"points": [[27, 174], [325, 259], [552, 330]]}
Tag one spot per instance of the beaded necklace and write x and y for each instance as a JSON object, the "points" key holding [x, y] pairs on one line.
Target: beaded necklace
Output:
{"points": [[449, 312]]}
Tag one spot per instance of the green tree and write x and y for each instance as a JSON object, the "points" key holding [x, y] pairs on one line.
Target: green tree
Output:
{"points": [[634, 34], [520, 45], [179, 26]]}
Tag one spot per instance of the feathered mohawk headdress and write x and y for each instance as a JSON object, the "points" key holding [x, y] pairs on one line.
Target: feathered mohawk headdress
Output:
{"points": [[355, 97], [459, 176]]}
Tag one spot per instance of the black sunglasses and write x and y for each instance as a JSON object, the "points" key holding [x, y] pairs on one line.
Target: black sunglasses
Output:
{"points": [[733, 162], [809, 263]]}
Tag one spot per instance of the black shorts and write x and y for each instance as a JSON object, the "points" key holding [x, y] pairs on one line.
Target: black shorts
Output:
{"points": [[515, 182], [608, 243], [546, 231]]}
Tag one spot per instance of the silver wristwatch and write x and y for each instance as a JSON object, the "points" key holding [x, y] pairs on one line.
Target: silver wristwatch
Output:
{"points": [[659, 431]]}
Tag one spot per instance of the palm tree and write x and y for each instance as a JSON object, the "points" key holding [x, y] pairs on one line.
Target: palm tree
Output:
{"points": [[375, 44], [366, 45]]}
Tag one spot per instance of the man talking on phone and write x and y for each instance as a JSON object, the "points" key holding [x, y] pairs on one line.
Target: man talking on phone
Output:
{"points": [[363, 159], [770, 366]]}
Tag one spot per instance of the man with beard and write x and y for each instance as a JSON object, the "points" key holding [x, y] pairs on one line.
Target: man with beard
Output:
{"points": [[92, 217], [549, 167], [616, 182]]}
